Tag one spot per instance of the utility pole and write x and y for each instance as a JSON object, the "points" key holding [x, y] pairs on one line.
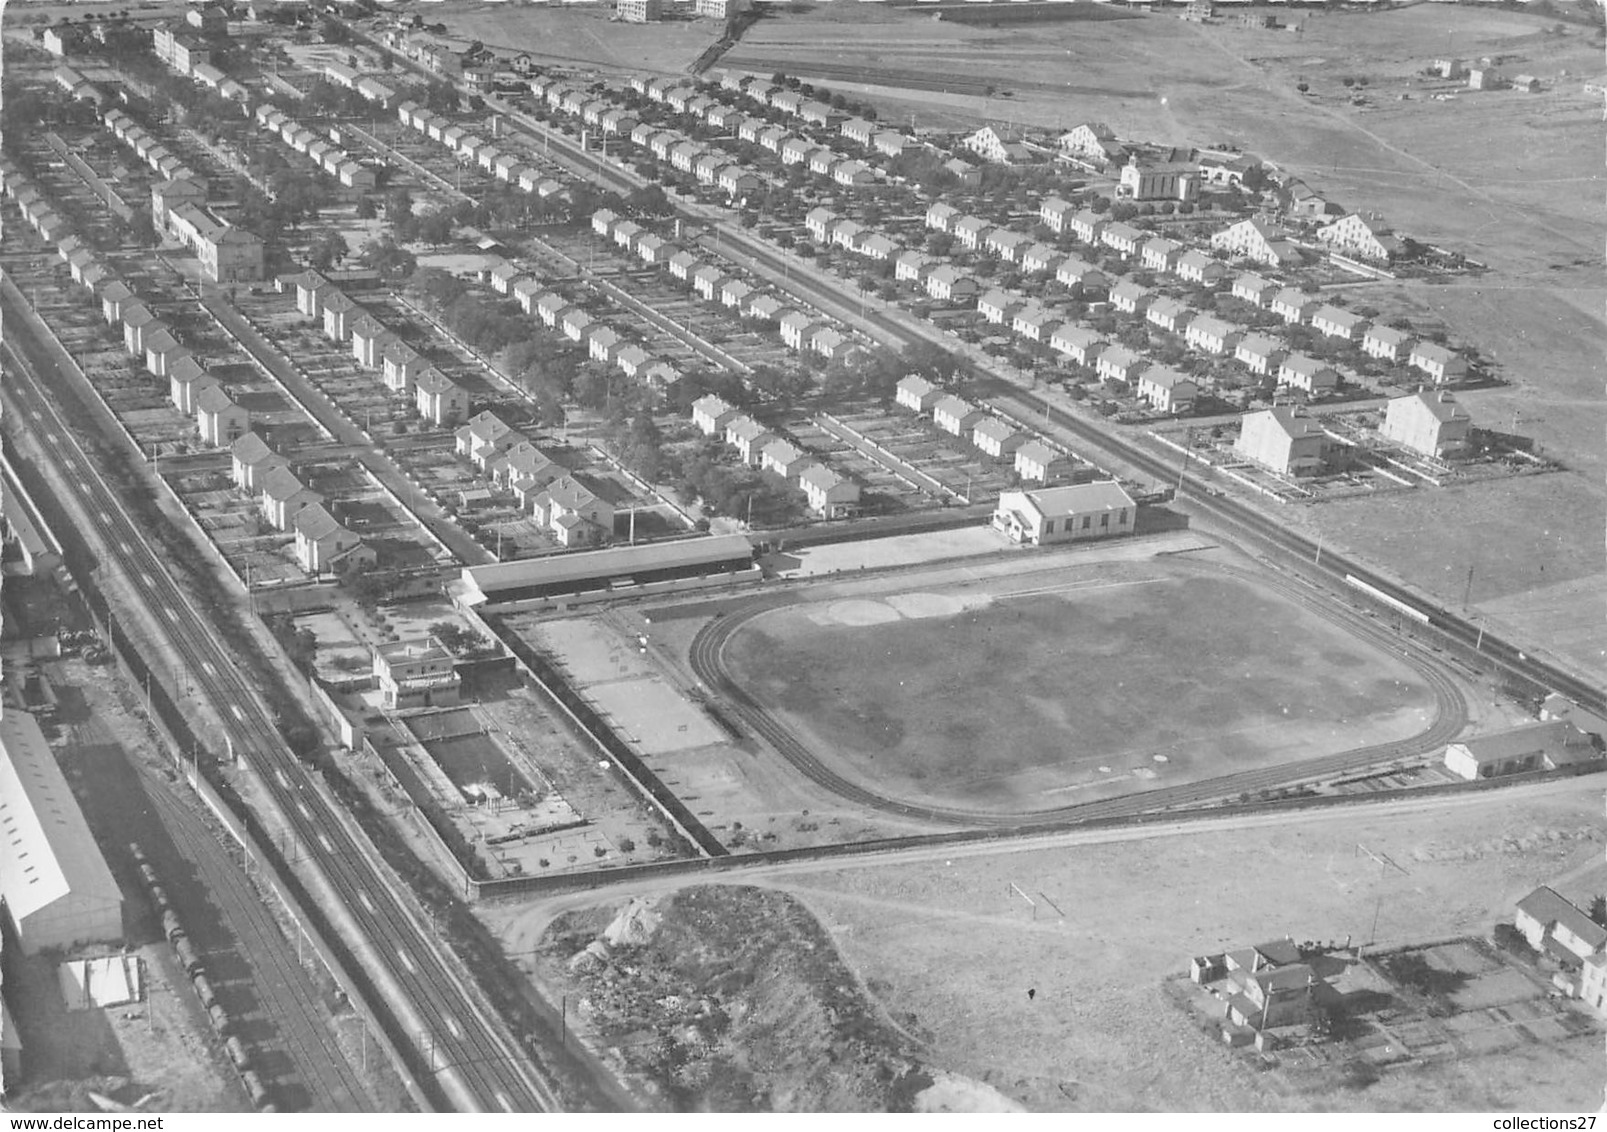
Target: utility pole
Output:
{"points": [[1467, 590]]}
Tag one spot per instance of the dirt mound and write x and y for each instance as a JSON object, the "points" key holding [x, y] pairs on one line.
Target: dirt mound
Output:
{"points": [[634, 926], [726, 998], [951, 1092]]}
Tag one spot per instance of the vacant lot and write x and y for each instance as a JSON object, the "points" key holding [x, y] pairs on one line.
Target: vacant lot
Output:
{"points": [[1528, 540], [1006, 697], [576, 37], [947, 947]]}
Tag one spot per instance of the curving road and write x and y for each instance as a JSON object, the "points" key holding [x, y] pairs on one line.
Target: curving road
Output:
{"points": [[707, 661]]}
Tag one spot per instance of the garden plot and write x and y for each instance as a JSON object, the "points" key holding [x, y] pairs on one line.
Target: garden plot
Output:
{"points": [[343, 654], [234, 523], [874, 478], [439, 347], [439, 471], [415, 618]]}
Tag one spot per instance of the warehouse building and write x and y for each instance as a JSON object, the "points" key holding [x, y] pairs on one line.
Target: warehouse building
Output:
{"points": [[58, 892]]}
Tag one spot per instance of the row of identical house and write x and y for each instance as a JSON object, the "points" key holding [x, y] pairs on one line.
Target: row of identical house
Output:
{"points": [[831, 495]]}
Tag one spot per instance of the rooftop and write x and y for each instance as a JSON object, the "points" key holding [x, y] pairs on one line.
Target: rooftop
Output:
{"points": [[49, 850], [1106, 495], [1547, 906]]}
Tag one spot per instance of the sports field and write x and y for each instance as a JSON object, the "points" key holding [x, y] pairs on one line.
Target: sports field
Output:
{"points": [[1093, 681]]}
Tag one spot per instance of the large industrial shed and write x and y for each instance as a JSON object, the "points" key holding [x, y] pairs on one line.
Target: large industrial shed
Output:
{"points": [[54, 882], [646, 568]]}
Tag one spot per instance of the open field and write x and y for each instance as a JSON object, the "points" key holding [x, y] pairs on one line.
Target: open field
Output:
{"points": [[1023, 693], [1100, 1036], [1523, 537], [949, 952], [574, 36]]}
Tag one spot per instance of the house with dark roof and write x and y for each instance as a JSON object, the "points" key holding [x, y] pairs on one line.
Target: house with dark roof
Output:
{"points": [[284, 496], [323, 546], [186, 379], [1534, 746], [1556, 927], [220, 420], [573, 513], [252, 460], [438, 399]]}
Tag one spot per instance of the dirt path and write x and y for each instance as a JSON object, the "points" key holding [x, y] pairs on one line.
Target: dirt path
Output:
{"points": [[522, 926]]}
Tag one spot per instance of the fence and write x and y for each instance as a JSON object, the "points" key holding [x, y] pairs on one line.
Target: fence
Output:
{"points": [[585, 716]]}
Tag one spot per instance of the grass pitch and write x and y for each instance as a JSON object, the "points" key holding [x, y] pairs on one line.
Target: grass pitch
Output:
{"points": [[1105, 680]]}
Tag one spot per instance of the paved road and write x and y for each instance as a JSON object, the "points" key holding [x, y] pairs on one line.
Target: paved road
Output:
{"points": [[345, 431], [457, 1046]]}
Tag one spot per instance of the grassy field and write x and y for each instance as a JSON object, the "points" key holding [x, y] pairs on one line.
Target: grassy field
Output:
{"points": [[946, 945], [1092, 682], [1533, 543], [948, 950], [567, 36]]}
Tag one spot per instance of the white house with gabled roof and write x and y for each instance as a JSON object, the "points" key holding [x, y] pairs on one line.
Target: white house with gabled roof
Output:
{"points": [[1429, 423], [1064, 514], [1166, 390], [1441, 365]]}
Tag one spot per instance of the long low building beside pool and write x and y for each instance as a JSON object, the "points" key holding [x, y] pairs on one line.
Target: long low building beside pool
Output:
{"points": [[623, 571], [1061, 514]]}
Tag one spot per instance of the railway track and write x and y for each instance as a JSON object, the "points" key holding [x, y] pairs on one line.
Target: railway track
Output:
{"points": [[464, 1057], [1300, 552], [278, 983], [1450, 717]]}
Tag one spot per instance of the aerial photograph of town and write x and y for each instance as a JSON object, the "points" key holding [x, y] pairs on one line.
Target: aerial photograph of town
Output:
{"points": [[802, 556]]}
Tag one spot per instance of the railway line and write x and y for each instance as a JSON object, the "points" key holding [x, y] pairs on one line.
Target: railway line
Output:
{"points": [[465, 1058], [1450, 717], [281, 987]]}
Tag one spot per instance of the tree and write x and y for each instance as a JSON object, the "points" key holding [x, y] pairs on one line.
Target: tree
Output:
{"points": [[929, 360], [1598, 910], [334, 32], [328, 249], [367, 209], [142, 229], [389, 258], [649, 200], [365, 586], [436, 228]]}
